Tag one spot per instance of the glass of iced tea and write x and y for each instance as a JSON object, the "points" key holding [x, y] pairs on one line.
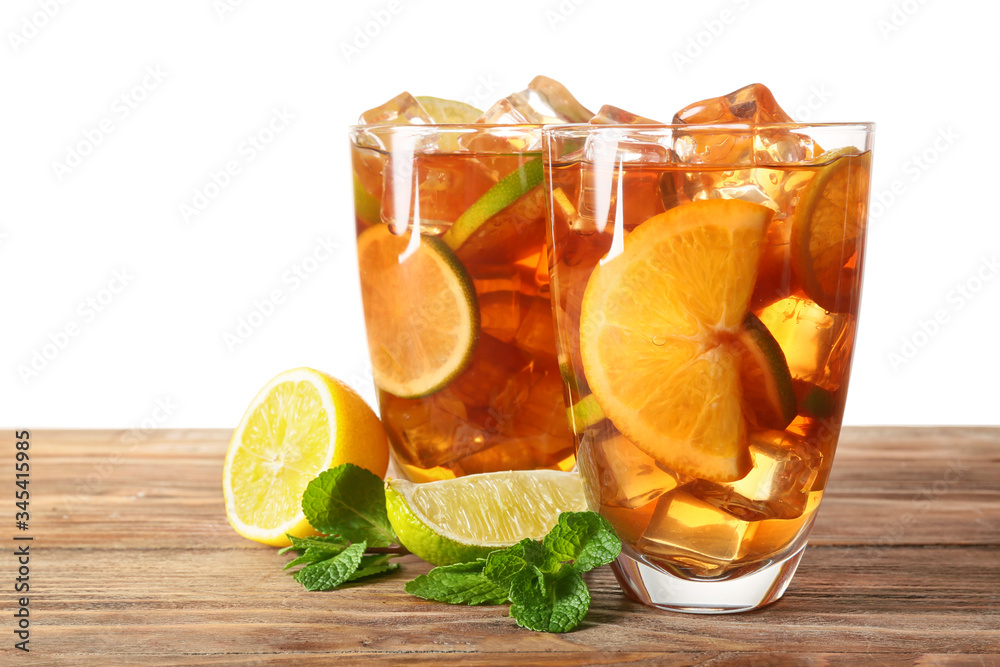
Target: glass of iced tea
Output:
{"points": [[454, 277], [706, 280]]}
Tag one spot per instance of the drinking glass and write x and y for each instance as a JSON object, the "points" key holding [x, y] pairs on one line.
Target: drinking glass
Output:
{"points": [[706, 281], [454, 278]]}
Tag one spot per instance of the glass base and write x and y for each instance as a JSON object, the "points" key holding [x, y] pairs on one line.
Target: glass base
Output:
{"points": [[654, 587]]}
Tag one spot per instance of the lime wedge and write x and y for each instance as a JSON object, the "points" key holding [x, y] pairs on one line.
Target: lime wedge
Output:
{"points": [[828, 229], [510, 188], [448, 111], [458, 520], [366, 207], [768, 394], [585, 413]]}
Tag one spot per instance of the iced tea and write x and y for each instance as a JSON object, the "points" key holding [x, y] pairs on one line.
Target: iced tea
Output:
{"points": [[706, 281], [498, 405]]}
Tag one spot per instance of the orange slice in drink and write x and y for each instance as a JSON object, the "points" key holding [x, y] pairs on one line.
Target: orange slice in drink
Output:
{"points": [[658, 331], [828, 227], [420, 311]]}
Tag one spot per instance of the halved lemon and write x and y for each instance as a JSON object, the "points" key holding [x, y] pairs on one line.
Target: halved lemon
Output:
{"points": [[828, 227], [461, 519], [657, 330], [421, 311], [301, 423]]}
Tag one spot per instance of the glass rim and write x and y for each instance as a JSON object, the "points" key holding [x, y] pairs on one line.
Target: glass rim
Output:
{"points": [[579, 128], [413, 127], [866, 126]]}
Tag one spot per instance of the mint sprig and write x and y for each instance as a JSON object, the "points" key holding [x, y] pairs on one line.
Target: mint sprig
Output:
{"points": [[347, 503], [542, 581]]}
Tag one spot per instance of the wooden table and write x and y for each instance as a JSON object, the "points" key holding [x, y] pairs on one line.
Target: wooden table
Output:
{"points": [[133, 563]]}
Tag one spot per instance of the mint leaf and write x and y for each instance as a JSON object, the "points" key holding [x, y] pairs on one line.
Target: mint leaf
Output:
{"points": [[312, 555], [462, 583], [373, 564], [584, 538], [332, 572], [349, 501], [300, 544], [504, 566], [549, 603], [313, 549]]}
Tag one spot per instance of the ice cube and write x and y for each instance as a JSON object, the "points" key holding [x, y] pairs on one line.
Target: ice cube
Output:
{"points": [[685, 527], [500, 313], [629, 524], [773, 537], [533, 403], [817, 344], [618, 473], [503, 278], [610, 115], [431, 431], [546, 101], [543, 101], [751, 105], [498, 149], [403, 109], [536, 335], [503, 112], [653, 147], [530, 452], [778, 486], [496, 378], [525, 423]]}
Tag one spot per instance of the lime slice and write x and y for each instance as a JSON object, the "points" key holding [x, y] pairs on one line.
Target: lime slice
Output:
{"points": [[507, 191], [421, 312], [657, 328], [301, 423], [448, 111], [366, 207], [585, 413], [814, 401], [828, 228], [768, 394], [461, 519]]}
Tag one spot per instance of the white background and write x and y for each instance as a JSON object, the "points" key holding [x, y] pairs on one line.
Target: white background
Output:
{"points": [[925, 72]]}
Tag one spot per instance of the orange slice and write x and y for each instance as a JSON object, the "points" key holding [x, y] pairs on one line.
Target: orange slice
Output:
{"points": [[421, 312], [828, 227], [658, 329]]}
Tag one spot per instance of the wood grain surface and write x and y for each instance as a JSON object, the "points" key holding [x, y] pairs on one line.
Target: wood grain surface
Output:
{"points": [[133, 563]]}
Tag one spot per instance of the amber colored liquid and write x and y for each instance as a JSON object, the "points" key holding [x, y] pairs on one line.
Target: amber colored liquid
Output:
{"points": [[506, 411], [692, 527]]}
